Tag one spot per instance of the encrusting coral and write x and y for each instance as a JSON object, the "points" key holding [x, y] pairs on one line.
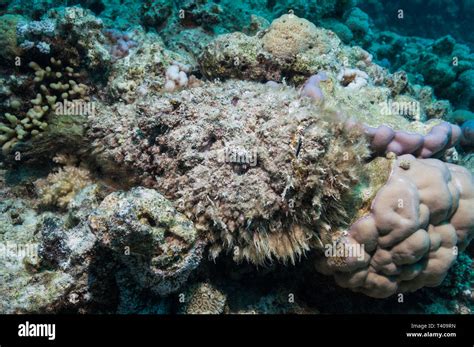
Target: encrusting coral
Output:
{"points": [[158, 245]]}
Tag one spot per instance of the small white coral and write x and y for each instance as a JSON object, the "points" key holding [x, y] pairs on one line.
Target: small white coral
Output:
{"points": [[176, 77]]}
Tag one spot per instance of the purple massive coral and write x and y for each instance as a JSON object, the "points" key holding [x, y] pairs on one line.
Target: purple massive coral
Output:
{"points": [[417, 223], [384, 139]]}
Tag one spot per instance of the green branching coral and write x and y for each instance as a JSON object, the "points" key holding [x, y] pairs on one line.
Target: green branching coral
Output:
{"points": [[55, 87]]}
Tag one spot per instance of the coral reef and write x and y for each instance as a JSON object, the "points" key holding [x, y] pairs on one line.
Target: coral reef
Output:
{"points": [[8, 37], [67, 265], [37, 276], [272, 54], [443, 64], [451, 17], [214, 156], [144, 71], [36, 34]]}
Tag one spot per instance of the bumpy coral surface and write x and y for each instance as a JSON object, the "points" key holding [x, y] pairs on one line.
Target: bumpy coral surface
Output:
{"points": [[203, 298], [418, 222], [440, 138]]}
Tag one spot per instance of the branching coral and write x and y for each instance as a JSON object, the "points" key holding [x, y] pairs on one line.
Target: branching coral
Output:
{"points": [[55, 85], [37, 34], [418, 222]]}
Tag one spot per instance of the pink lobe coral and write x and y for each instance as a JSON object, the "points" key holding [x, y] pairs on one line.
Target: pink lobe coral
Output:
{"points": [[418, 221], [441, 137]]}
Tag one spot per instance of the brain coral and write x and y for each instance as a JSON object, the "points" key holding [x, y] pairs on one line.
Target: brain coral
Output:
{"points": [[418, 221], [203, 298], [288, 36], [292, 47]]}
